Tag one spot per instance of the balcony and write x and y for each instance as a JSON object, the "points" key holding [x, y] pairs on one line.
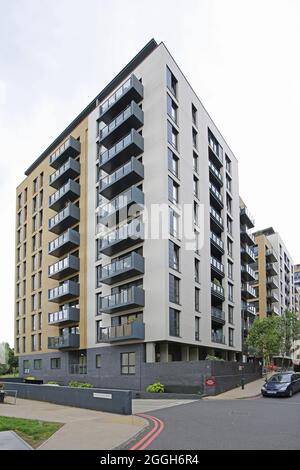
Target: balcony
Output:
{"points": [[69, 192], [271, 269], [217, 291], [125, 268], [69, 216], [218, 316], [248, 308], [69, 170], [65, 243], [217, 338], [131, 90], [126, 176], [217, 245], [247, 273], [216, 196], [64, 267], [131, 331], [64, 316], [247, 254], [216, 220], [133, 297], [71, 148], [215, 174], [217, 267], [70, 341], [246, 218], [117, 210], [215, 155], [271, 256], [65, 292], [124, 237], [131, 146], [246, 235], [272, 296], [248, 291], [272, 310], [131, 118]]}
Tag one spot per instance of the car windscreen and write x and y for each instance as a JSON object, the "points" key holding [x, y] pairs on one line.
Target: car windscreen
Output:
{"points": [[280, 378]]}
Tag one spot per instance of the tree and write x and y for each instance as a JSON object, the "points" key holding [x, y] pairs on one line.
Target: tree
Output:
{"points": [[264, 337], [290, 331], [8, 360]]}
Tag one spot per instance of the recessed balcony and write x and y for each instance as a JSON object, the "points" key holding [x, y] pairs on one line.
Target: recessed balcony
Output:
{"points": [[215, 174], [133, 297], [271, 256], [120, 270], [130, 146], [124, 177], [67, 291], [218, 338], [131, 118], [131, 90], [69, 216], [70, 341], [217, 291], [271, 269], [64, 267], [69, 192], [246, 218], [131, 331], [217, 267], [124, 237], [248, 291], [246, 236], [247, 273], [118, 209], [69, 170], [64, 316], [65, 243], [216, 197], [216, 221], [71, 148], [247, 254], [218, 316], [272, 310], [217, 245], [248, 308], [272, 296], [215, 156]]}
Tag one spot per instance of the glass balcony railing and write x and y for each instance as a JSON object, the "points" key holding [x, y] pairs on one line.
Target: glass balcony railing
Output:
{"points": [[64, 267], [66, 290], [249, 289], [123, 268], [68, 341], [122, 238], [217, 241], [216, 216], [131, 196], [131, 145], [68, 192], [60, 245], [128, 298], [246, 217], [218, 315], [130, 331], [217, 265], [69, 215], [216, 173], [216, 193], [70, 148], [70, 169], [217, 289], [218, 338], [64, 316]]}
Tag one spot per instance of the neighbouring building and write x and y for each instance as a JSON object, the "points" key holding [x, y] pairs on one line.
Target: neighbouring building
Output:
{"points": [[274, 275], [96, 296]]}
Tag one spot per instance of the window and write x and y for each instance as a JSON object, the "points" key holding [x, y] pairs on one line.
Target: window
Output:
{"points": [[214, 145], [195, 213], [19, 219], [174, 322], [25, 195], [55, 363], [24, 250], [194, 135], [34, 322], [41, 218], [231, 332], [19, 236], [37, 364], [26, 366], [195, 162], [171, 82], [40, 259], [128, 363], [33, 302], [18, 345], [98, 322], [98, 361], [35, 185], [41, 198], [174, 289], [228, 183], [173, 162], [33, 343], [18, 273], [34, 244], [34, 282], [40, 341], [228, 164], [174, 223], [195, 186], [230, 270], [24, 325], [229, 247], [197, 270], [197, 328], [18, 254], [41, 180], [172, 108], [40, 239], [229, 203], [229, 225], [197, 299], [173, 255], [172, 135], [34, 224], [173, 189], [230, 292], [34, 262], [230, 314], [194, 115], [19, 201]]}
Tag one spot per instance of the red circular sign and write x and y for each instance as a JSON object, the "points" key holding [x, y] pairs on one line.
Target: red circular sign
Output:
{"points": [[210, 382]]}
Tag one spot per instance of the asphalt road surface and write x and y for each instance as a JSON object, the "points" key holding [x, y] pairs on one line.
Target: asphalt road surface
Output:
{"points": [[262, 423]]}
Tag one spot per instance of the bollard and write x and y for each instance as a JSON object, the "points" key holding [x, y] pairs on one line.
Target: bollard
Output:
{"points": [[242, 383]]}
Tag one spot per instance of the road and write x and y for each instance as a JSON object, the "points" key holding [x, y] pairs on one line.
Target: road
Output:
{"points": [[262, 423]]}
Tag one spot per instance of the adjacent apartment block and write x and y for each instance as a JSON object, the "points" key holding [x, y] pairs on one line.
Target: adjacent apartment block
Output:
{"points": [[274, 275], [98, 292]]}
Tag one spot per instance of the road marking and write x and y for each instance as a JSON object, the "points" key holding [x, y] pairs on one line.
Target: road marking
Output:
{"points": [[157, 429]]}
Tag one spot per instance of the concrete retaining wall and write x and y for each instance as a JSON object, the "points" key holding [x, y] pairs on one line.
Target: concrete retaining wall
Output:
{"points": [[111, 401]]}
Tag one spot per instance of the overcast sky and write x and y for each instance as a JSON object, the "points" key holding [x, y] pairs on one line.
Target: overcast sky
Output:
{"points": [[240, 56]]}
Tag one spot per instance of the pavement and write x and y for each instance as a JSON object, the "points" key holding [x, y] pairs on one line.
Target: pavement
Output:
{"points": [[9, 440], [144, 406], [251, 390]]}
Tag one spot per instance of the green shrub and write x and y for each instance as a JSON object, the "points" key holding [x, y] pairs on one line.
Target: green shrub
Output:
{"points": [[52, 382], [75, 384], [30, 377], [155, 388], [213, 358]]}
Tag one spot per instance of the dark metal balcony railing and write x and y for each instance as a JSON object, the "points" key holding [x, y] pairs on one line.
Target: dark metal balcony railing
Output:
{"points": [[126, 299], [217, 241], [215, 173], [68, 341], [218, 315], [130, 331], [218, 338], [216, 217], [70, 148]]}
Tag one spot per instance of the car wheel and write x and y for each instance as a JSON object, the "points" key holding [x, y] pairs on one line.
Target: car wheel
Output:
{"points": [[290, 393]]}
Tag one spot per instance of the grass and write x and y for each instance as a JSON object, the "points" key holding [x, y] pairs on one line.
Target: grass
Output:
{"points": [[7, 376], [33, 431]]}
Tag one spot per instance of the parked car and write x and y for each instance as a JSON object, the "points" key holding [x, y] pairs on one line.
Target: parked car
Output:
{"points": [[284, 384]]}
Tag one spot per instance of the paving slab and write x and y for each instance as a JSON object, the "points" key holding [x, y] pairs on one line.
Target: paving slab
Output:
{"points": [[251, 390], [9, 440], [145, 405]]}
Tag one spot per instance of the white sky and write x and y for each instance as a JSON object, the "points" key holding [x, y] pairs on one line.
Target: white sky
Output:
{"points": [[240, 56]]}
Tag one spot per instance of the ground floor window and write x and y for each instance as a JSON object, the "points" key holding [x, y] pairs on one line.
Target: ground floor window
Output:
{"points": [[26, 366], [37, 364], [128, 363], [55, 363], [98, 361]]}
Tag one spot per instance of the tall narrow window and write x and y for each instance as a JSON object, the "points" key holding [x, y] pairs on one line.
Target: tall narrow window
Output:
{"points": [[195, 162], [197, 299], [173, 191], [172, 135], [195, 138], [197, 270], [174, 289], [174, 322], [173, 163], [195, 186], [173, 255], [128, 363], [197, 328], [171, 82], [172, 108]]}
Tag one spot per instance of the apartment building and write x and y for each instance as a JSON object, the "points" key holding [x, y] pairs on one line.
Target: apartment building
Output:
{"points": [[97, 294], [248, 277], [274, 275]]}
